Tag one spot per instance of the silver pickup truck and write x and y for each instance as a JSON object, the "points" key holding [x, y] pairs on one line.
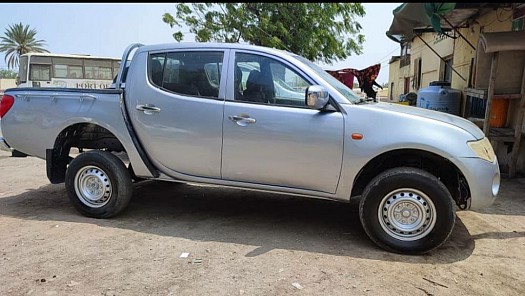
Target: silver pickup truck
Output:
{"points": [[261, 119]]}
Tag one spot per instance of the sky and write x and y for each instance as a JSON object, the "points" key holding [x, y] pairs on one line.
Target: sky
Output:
{"points": [[107, 29]]}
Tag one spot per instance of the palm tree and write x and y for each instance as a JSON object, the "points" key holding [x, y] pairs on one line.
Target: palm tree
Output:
{"points": [[18, 40]]}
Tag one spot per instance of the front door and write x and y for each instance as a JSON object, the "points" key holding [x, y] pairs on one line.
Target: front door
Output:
{"points": [[270, 136]]}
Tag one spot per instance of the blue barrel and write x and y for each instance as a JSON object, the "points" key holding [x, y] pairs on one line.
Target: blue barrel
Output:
{"points": [[440, 97]]}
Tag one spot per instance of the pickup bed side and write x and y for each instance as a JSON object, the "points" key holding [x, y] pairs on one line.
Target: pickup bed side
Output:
{"points": [[86, 119]]}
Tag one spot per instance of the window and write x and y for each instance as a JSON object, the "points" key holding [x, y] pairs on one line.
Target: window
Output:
{"points": [[22, 71], [40, 68], [447, 69], [116, 66], [98, 69], [40, 73], [264, 80], [406, 85], [188, 73], [155, 68], [405, 48], [67, 68], [213, 73], [417, 74]]}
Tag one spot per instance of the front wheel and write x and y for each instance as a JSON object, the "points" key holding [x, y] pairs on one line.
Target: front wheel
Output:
{"points": [[407, 210], [98, 184]]}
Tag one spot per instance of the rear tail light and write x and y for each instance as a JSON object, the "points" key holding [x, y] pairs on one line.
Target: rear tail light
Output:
{"points": [[5, 104]]}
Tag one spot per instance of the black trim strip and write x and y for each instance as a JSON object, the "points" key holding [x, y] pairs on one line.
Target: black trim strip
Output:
{"points": [[135, 140]]}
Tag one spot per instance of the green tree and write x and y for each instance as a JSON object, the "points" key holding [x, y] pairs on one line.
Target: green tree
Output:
{"points": [[317, 31], [18, 40], [8, 73]]}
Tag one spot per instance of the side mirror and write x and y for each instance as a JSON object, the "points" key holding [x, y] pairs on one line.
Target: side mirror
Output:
{"points": [[316, 97], [17, 80]]}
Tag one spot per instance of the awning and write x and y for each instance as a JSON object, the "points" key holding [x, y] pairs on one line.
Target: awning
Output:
{"points": [[411, 18]]}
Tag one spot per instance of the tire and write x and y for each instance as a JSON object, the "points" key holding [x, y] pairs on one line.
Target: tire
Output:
{"points": [[98, 184], [407, 210]]}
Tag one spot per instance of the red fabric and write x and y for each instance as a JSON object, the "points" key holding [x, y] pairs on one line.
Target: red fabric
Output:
{"points": [[345, 77], [364, 77]]}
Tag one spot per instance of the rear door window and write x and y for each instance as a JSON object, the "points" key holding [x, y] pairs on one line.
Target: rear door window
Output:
{"points": [[192, 73]]}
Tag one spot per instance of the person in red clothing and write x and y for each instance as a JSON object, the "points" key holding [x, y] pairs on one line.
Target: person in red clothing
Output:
{"points": [[365, 77], [368, 87]]}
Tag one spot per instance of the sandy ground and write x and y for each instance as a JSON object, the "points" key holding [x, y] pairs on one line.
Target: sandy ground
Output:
{"points": [[239, 243]]}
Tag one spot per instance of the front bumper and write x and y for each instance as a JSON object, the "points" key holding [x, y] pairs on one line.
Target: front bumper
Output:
{"points": [[483, 179], [4, 146]]}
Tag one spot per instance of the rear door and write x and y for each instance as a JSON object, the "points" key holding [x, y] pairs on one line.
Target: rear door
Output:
{"points": [[177, 114]]}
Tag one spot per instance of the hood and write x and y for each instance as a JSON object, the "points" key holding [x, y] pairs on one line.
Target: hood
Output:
{"points": [[455, 120]]}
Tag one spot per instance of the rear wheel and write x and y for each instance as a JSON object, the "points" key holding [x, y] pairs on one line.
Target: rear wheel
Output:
{"points": [[407, 210], [98, 184]]}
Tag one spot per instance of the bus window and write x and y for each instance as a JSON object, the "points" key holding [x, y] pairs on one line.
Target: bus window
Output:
{"points": [[40, 68], [116, 66], [40, 73], [67, 68], [22, 69], [98, 69]]}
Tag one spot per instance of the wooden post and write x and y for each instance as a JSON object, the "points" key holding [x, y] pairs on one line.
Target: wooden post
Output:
{"points": [[490, 92], [517, 129]]}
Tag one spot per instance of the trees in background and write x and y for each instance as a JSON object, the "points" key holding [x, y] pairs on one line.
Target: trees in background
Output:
{"points": [[318, 31], [8, 73], [18, 40]]}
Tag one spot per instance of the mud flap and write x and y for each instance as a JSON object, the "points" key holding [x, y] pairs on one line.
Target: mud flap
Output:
{"points": [[56, 166], [16, 153]]}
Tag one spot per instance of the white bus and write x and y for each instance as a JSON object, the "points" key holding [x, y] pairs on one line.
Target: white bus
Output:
{"points": [[66, 70]]}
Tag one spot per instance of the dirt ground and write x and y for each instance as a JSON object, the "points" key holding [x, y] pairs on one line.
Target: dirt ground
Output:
{"points": [[239, 243]]}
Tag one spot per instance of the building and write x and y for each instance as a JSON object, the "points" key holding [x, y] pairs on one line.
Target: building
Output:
{"points": [[441, 42], [6, 83]]}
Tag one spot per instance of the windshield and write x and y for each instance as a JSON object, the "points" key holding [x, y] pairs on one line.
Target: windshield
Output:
{"points": [[349, 94]]}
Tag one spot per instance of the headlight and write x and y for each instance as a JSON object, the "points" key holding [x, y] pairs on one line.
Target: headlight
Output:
{"points": [[483, 149]]}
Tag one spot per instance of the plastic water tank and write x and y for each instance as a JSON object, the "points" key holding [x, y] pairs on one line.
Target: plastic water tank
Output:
{"points": [[439, 96]]}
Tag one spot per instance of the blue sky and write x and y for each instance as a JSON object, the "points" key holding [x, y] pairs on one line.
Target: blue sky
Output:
{"points": [[107, 29]]}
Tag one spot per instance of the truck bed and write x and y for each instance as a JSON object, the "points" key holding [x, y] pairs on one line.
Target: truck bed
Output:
{"points": [[38, 115]]}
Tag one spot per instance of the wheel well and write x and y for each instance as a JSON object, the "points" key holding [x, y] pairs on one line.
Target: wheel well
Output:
{"points": [[435, 164], [81, 136]]}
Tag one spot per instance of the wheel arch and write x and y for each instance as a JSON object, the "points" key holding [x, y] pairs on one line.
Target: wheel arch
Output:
{"points": [[437, 165], [81, 135]]}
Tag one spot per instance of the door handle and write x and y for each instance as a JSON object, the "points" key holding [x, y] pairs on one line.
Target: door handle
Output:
{"points": [[241, 119], [148, 109]]}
